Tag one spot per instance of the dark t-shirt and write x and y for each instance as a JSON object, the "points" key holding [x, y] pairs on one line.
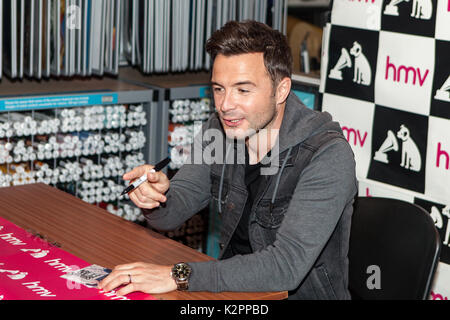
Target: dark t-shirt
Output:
{"points": [[239, 243]]}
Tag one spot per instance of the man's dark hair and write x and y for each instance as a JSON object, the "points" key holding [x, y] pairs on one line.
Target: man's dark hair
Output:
{"points": [[249, 36]]}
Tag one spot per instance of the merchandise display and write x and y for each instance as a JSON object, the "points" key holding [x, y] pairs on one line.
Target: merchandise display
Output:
{"points": [[186, 120], [83, 150], [68, 38]]}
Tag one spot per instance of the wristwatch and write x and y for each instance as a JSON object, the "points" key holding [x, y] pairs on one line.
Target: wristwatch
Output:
{"points": [[181, 273]]}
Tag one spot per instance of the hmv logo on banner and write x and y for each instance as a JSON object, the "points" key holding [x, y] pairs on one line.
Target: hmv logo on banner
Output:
{"points": [[356, 137], [440, 101], [352, 62], [409, 16], [442, 157], [405, 74], [362, 73], [443, 93], [36, 253], [14, 274], [411, 158], [421, 9], [399, 146], [440, 213]]}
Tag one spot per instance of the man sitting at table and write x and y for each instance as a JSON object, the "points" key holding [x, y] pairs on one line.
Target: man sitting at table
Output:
{"points": [[282, 179]]}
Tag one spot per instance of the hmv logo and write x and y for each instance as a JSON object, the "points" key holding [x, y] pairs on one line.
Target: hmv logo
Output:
{"points": [[355, 136], [362, 71], [406, 74], [442, 157], [420, 9], [410, 154]]}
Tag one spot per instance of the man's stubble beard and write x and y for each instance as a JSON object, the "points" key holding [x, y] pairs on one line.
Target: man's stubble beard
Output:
{"points": [[240, 135]]}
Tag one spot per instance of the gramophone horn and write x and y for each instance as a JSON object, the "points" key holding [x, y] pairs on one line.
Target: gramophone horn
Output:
{"points": [[389, 144], [344, 61], [444, 92]]}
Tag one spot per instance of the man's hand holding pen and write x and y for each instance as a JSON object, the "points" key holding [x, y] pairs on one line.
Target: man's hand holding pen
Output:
{"points": [[151, 194], [140, 276]]}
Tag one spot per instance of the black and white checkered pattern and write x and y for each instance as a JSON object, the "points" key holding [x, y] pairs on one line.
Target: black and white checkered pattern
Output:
{"points": [[386, 79]]}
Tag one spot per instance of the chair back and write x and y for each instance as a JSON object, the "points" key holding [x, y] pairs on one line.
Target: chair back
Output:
{"points": [[394, 250]]}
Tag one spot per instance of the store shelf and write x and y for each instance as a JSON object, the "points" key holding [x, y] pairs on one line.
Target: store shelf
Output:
{"points": [[307, 79], [28, 94], [188, 85], [49, 128], [308, 3], [169, 87]]}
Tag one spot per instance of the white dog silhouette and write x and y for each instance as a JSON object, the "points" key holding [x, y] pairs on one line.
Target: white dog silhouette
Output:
{"points": [[446, 212], [410, 153], [362, 70], [422, 9]]}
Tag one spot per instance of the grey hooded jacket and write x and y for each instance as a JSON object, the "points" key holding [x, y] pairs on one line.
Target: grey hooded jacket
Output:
{"points": [[299, 224]]}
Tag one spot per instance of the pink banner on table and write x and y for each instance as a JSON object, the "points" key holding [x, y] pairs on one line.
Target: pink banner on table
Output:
{"points": [[31, 269]]}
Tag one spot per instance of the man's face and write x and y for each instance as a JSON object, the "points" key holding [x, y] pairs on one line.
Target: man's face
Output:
{"points": [[243, 94]]}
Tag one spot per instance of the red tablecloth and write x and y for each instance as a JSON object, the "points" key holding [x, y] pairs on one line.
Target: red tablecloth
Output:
{"points": [[31, 269]]}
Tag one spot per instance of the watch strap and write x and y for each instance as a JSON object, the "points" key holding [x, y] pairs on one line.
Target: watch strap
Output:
{"points": [[182, 285]]}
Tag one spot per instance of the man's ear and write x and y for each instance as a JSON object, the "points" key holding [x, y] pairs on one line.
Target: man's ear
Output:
{"points": [[283, 89]]}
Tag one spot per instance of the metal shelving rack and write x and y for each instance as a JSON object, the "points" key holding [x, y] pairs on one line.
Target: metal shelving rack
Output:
{"points": [[169, 87], [54, 96]]}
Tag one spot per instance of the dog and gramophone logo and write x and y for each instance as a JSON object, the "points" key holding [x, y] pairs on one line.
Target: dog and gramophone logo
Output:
{"points": [[416, 17], [440, 213], [440, 98], [352, 62], [399, 148]]}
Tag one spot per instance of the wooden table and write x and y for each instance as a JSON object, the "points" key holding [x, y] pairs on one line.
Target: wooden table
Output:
{"points": [[98, 237]]}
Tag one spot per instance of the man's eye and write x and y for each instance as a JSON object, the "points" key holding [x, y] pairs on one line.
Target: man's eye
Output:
{"points": [[243, 91]]}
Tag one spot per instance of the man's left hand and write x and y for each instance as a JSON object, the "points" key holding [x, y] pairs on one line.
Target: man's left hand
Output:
{"points": [[145, 277]]}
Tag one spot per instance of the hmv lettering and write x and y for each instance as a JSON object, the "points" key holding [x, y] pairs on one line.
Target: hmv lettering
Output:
{"points": [[36, 253], [442, 158], [38, 289], [8, 237], [58, 265], [14, 274], [407, 73], [358, 137], [438, 296]]}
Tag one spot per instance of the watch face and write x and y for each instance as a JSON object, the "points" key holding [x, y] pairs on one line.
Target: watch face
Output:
{"points": [[181, 271]]}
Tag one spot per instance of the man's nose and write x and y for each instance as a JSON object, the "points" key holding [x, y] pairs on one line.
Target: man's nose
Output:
{"points": [[227, 103]]}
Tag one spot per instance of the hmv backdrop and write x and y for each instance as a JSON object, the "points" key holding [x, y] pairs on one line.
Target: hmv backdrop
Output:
{"points": [[386, 79]]}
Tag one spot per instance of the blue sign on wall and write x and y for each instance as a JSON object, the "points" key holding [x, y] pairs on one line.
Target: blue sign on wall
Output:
{"points": [[50, 102]]}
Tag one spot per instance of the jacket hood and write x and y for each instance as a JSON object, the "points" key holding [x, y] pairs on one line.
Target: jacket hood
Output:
{"points": [[299, 123]]}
